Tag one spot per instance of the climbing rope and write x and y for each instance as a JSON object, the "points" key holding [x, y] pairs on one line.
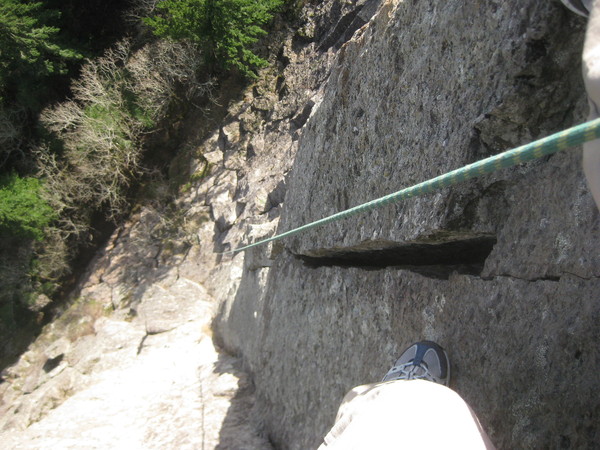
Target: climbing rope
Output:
{"points": [[559, 141]]}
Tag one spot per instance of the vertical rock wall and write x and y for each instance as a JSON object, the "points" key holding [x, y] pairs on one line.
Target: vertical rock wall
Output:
{"points": [[502, 271]]}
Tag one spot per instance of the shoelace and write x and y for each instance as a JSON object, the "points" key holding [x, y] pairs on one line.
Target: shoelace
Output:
{"points": [[410, 371]]}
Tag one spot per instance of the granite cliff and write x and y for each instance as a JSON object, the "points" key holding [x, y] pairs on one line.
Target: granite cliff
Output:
{"points": [[364, 98]]}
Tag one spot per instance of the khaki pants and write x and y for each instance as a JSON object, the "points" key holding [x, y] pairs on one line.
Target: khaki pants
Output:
{"points": [[403, 413], [591, 78]]}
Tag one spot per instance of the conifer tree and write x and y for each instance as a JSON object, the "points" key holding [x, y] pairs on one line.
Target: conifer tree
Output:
{"points": [[29, 49], [226, 29]]}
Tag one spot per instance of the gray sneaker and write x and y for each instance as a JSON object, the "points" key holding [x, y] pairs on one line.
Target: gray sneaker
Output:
{"points": [[581, 7], [423, 360]]}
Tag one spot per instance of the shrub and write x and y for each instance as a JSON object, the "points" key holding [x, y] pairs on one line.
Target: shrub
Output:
{"points": [[99, 131], [117, 99], [23, 212]]}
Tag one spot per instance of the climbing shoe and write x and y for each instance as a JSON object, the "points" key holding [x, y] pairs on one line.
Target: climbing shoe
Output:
{"points": [[581, 7], [424, 360]]}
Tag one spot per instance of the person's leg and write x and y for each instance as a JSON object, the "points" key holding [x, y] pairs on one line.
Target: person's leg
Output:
{"points": [[411, 406], [591, 77], [401, 413]]}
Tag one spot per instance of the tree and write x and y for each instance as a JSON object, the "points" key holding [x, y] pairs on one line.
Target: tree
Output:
{"points": [[29, 49], [226, 29]]}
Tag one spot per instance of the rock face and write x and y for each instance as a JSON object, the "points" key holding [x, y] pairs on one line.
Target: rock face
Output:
{"points": [[154, 380], [502, 271]]}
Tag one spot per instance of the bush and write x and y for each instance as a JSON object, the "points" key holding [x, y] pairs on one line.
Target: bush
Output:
{"points": [[99, 130], [117, 99], [226, 29], [23, 212]]}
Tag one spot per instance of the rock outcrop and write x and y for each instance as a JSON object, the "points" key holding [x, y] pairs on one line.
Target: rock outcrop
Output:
{"points": [[143, 376]]}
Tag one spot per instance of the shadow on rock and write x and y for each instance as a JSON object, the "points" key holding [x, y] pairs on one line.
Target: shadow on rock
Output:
{"points": [[240, 427]]}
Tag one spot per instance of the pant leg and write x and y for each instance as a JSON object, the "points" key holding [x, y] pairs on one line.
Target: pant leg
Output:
{"points": [[404, 413], [591, 78]]}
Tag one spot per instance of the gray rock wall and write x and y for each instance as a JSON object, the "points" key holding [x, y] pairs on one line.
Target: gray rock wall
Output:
{"points": [[502, 271]]}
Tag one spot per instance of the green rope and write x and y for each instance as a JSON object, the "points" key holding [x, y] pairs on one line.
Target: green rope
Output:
{"points": [[559, 141]]}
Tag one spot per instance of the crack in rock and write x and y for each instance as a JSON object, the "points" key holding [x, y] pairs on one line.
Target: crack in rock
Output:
{"points": [[435, 260]]}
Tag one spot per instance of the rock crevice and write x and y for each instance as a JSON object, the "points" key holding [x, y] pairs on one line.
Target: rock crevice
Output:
{"points": [[439, 259]]}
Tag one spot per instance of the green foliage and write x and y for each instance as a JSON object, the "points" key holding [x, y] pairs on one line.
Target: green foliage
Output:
{"points": [[103, 117], [133, 105], [30, 49], [226, 29], [23, 213]]}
